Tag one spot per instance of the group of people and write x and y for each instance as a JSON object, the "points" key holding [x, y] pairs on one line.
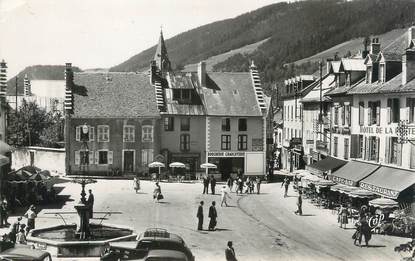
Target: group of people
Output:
{"points": [[18, 230], [213, 215], [247, 186], [209, 180]]}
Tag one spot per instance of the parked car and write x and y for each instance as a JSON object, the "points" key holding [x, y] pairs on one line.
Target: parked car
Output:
{"points": [[24, 253], [163, 255], [146, 244]]}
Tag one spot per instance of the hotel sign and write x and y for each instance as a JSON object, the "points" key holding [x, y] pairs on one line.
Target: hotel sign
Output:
{"points": [[383, 191], [225, 154], [343, 181], [394, 131]]}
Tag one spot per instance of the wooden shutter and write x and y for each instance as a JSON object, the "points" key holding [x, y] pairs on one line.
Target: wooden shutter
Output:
{"points": [[388, 111], [91, 133], [150, 154], [369, 114], [110, 156], [91, 157], [354, 146], [366, 148], [78, 133], [77, 157], [387, 150], [144, 157], [377, 148], [96, 157], [378, 113]]}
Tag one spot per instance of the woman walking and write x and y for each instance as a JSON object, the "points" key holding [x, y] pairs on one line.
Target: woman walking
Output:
{"points": [[157, 193], [343, 215], [136, 184]]}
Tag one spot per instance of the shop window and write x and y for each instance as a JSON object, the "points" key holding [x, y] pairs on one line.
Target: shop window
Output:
{"points": [[129, 133], [242, 142], [226, 142], [185, 142], [226, 124], [361, 113], [394, 151], [242, 124], [373, 148], [374, 113], [410, 103], [185, 124], [335, 146], [103, 133], [393, 110], [147, 133], [346, 149], [169, 124]]}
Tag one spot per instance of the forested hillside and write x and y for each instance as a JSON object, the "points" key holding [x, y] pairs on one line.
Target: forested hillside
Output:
{"points": [[295, 31]]}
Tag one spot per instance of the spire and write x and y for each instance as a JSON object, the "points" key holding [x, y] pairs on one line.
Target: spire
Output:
{"points": [[161, 57]]}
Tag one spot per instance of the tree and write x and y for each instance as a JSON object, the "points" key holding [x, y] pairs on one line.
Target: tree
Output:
{"points": [[31, 125]]}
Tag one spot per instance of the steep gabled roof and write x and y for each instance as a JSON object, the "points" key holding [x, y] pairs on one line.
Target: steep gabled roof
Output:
{"points": [[394, 51], [230, 94], [113, 95], [353, 64]]}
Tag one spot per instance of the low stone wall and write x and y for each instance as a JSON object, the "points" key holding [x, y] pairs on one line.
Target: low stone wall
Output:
{"points": [[45, 158]]}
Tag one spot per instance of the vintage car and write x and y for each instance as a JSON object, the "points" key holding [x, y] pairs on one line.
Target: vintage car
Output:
{"points": [[143, 248], [24, 253]]}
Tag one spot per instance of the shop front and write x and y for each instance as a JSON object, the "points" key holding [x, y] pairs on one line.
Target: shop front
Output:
{"points": [[190, 160]]}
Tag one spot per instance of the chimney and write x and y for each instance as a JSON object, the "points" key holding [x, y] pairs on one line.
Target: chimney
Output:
{"points": [[375, 46], [408, 66], [27, 86], [201, 73], [68, 87], [3, 78]]}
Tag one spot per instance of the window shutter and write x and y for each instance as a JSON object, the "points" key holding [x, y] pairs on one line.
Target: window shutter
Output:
{"points": [[91, 157], [144, 157], [77, 157], [150, 156], [366, 148], [354, 146], [110, 154], [78, 133], [399, 154], [406, 114], [377, 149], [108, 133], [96, 157], [91, 133], [369, 115], [378, 114], [387, 151], [388, 114], [412, 163]]}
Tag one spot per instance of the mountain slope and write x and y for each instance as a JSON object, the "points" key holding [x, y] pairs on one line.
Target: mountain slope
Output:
{"points": [[37, 72]]}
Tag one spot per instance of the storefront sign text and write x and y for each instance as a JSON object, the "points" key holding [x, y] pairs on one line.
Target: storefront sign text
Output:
{"points": [[343, 181], [225, 154], [383, 191], [385, 130]]}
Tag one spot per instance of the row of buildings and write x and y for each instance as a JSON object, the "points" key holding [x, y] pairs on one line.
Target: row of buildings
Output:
{"points": [[355, 120], [121, 122]]}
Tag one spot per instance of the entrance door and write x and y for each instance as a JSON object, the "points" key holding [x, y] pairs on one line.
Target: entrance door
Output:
{"points": [[128, 161]]}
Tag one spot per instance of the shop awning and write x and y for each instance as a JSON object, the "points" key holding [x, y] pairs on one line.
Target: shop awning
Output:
{"points": [[352, 172], [389, 182], [327, 164]]}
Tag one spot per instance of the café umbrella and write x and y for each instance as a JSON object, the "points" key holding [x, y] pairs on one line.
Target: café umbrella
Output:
{"points": [[361, 193], [208, 166], [383, 203], [156, 164], [177, 165]]}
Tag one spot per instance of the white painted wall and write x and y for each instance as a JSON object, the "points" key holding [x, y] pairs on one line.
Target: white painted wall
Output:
{"points": [[44, 158]]}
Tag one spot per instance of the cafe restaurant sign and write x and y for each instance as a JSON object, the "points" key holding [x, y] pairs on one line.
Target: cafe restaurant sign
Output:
{"points": [[379, 190], [343, 181], [393, 131], [228, 154]]}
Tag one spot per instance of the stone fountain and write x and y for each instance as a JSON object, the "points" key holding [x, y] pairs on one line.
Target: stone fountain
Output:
{"points": [[84, 239]]}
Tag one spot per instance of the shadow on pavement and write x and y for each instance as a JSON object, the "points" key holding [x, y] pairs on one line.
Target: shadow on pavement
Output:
{"points": [[308, 215], [222, 229], [163, 202], [375, 246]]}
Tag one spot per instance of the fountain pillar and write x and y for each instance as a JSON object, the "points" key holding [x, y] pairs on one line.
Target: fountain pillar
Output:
{"points": [[83, 229]]}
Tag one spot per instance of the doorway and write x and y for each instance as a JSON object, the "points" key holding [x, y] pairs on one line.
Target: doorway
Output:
{"points": [[128, 161]]}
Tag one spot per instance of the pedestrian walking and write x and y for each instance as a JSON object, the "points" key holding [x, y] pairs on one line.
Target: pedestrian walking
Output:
{"points": [[365, 231], [224, 195], [230, 252], [299, 210], [343, 216], [199, 216], [14, 229], [229, 182], [213, 184], [4, 213], [90, 203], [357, 234], [212, 215], [258, 185], [206, 182], [157, 195], [136, 184], [31, 216], [286, 183], [235, 185]]}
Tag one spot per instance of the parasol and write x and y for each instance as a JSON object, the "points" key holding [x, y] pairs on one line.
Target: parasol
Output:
{"points": [[176, 165], [208, 166], [361, 193], [383, 203], [156, 164]]}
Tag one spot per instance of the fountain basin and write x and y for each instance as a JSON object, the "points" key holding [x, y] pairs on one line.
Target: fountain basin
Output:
{"points": [[61, 240]]}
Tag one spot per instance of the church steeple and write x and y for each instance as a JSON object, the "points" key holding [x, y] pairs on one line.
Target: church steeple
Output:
{"points": [[161, 58]]}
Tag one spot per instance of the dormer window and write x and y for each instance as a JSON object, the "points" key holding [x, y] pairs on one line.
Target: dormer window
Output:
{"points": [[382, 72], [182, 95], [369, 74]]}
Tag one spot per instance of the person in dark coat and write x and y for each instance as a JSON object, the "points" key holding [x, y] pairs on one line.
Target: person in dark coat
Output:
{"points": [[230, 252], [229, 182], [199, 216], [364, 231], [206, 182], [90, 203], [212, 215], [212, 185], [286, 183]]}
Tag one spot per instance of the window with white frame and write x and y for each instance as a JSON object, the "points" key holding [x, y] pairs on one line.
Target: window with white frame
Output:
{"points": [[146, 157], [129, 133], [79, 136], [104, 157], [103, 133], [147, 133]]}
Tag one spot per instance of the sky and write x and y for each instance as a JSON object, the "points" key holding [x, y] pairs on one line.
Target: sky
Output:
{"points": [[100, 33]]}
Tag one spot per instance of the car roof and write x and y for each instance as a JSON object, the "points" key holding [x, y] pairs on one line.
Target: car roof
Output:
{"points": [[160, 237], [23, 253], [167, 253]]}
